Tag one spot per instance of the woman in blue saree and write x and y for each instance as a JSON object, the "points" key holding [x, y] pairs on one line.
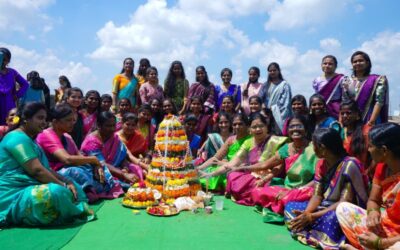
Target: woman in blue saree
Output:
{"points": [[125, 84], [30, 192]]}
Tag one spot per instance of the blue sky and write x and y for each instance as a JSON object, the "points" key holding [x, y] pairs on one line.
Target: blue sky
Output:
{"points": [[88, 40]]}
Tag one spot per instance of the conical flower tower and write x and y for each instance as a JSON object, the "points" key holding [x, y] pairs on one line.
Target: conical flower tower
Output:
{"points": [[171, 170]]}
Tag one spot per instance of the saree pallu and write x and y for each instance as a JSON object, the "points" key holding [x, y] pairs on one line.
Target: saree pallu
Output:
{"points": [[136, 144], [23, 199], [353, 219], [333, 184], [207, 93], [331, 90], [233, 90], [125, 88], [89, 122], [241, 184], [299, 170]]}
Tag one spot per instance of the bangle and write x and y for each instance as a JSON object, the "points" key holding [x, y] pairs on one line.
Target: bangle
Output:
{"points": [[376, 209], [377, 243]]}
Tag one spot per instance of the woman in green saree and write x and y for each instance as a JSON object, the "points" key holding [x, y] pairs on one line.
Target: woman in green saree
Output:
{"points": [[30, 192]]}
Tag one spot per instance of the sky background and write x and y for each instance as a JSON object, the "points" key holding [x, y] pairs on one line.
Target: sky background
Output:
{"points": [[88, 40]]}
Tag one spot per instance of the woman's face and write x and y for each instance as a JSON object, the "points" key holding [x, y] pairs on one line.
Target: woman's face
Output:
{"points": [[258, 129], [376, 152], [66, 124], [129, 127], [317, 106], [347, 116], [195, 106], [11, 115], [75, 99], [143, 66], [296, 130], [328, 66], [37, 123], [155, 106], [319, 150], [298, 107], [177, 70], [92, 101], [190, 126], [63, 83], [144, 116], [108, 128], [128, 65], [254, 105], [359, 64], [226, 77], [227, 105], [253, 76], [152, 76], [224, 124], [200, 75], [273, 72], [167, 107], [106, 104], [239, 127], [124, 106]]}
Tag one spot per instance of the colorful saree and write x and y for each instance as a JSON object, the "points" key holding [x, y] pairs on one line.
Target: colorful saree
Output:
{"points": [[299, 169], [25, 200], [207, 93], [241, 184], [89, 122], [233, 90], [331, 90], [148, 92], [347, 180], [136, 144], [113, 152], [180, 91], [82, 175], [125, 88], [353, 219]]}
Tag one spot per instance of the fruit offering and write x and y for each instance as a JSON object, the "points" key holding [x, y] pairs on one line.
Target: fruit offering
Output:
{"points": [[164, 210]]}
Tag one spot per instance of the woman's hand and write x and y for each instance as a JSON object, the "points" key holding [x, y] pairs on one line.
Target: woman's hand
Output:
{"points": [[302, 220], [131, 178], [72, 188], [374, 222], [280, 195], [369, 240]]}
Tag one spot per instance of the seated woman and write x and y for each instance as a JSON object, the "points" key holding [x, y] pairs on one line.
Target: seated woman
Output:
{"points": [[168, 107], [90, 110], [145, 128], [65, 158], [338, 178], [30, 192], [133, 140], [124, 106], [227, 106], [111, 151], [378, 227], [299, 106], [213, 143], [297, 160], [261, 147], [319, 117], [216, 176], [193, 138]]}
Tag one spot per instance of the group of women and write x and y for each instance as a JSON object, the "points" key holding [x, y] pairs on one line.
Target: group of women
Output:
{"points": [[329, 169]]}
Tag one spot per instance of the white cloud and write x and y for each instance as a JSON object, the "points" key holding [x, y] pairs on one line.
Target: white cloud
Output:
{"points": [[24, 15], [50, 67]]}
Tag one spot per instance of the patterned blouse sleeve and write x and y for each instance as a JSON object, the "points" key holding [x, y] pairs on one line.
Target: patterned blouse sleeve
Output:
{"points": [[381, 89]]}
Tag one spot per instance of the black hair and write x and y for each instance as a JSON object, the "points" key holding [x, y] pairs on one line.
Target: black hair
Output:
{"points": [[190, 117], [124, 99], [219, 116], [246, 90], [35, 81], [206, 82], [103, 117], [145, 107], [366, 57], [142, 61], [230, 98], [105, 96], [130, 117], [331, 139], [299, 98], [65, 79], [257, 98], [26, 112], [312, 118], [174, 110], [94, 92], [133, 66], [171, 79], [386, 134], [276, 65], [6, 55], [303, 119], [263, 119], [157, 116], [331, 57], [243, 117], [273, 127], [60, 111], [226, 70]]}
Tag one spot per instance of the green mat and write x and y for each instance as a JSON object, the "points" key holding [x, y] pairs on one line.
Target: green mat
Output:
{"points": [[236, 227], [40, 238]]}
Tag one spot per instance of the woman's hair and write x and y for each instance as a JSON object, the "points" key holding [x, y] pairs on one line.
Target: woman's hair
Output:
{"points": [[171, 78], [142, 72], [226, 70], [230, 98], [26, 112], [246, 90], [129, 117], [94, 92], [358, 143], [299, 98], [123, 66], [243, 117], [145, 107], [174, 109], [65, 79], [227, 116], [60, 111], [276, 65], [312, 118], [151, 68], [125, 99], [206, 81], [304, 121], [35, 81], [273, 127], [366, 57], [6, 55], [331, 139], [69, 92], [106, 96], [386, 134], [331, 57], [263, 119], [103, 117], [257, 98], [196, 98]]}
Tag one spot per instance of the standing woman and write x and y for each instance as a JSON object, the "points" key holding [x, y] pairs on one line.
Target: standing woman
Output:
{"points": [[176, 86], [251, 88], [151, 89], [329, 85], [64, 85], [228, 89], [90, 111], [30, 192], [73, 97], [144, 64], [8, 85], [370, 91], [205, 89], [125, 84], [277, 95]]}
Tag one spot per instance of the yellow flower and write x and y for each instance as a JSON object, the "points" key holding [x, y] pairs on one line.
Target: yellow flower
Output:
{"points": [[15, 119]]}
